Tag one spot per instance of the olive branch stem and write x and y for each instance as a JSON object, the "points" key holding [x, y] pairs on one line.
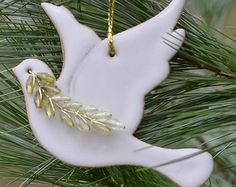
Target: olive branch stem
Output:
{"points": [[47, 96]]}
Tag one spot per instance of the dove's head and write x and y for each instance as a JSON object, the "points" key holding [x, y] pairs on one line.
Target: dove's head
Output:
{"points": [[22, 70]]}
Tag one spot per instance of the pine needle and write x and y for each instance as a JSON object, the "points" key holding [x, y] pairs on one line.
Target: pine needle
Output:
{"points": [[194, 107]]}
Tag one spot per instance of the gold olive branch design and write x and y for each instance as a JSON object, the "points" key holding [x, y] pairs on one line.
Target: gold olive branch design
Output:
{"points": [[73, 114]]}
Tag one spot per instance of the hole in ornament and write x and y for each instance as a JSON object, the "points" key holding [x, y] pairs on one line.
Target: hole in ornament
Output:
{"points": [[112, 54]]}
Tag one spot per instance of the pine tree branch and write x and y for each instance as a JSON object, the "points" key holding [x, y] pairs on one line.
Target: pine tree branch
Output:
{"points": [[190, 104]]}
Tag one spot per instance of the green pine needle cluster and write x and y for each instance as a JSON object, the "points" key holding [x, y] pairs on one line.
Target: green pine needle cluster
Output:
{"points": [[194, 107]]}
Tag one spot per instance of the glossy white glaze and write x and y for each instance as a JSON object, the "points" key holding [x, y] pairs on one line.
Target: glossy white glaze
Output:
{"points": [[118, 85]]}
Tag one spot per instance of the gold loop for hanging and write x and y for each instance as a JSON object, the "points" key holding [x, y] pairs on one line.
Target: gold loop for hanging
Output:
{"points": [[111, 13]]}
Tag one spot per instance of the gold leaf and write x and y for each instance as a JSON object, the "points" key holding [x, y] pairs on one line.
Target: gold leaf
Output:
{"points": [[49, 108], [89, 108], [82, 126], [66, 118], [38, 98], [46, 77], [58, 98], [73, 106], [30, 84], [103, 115], [52, 89], [115, 124], [76, 105], [102, 128]]}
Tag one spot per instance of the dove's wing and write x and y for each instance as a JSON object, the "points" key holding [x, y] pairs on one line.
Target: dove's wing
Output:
{"points": [[157, 30], [119, 84], [148, 47], [76, 39], [151, 45]]}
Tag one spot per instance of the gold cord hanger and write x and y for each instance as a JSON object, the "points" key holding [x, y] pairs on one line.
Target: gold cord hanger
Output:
{"points": [[111, 13]]}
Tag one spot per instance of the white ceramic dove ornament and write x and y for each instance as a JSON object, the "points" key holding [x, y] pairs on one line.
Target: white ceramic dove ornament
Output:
{"points": [[115, 84]]}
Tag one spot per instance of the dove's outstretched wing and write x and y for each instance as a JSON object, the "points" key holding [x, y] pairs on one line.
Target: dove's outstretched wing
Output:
{"points": [[157, 30], [76, 39]]}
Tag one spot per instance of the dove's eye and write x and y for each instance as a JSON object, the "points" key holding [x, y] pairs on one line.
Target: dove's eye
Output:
{"points": [[29, 70]]}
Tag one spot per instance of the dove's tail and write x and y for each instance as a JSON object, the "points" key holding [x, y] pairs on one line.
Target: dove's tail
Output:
{"points": [[185, 167]]}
